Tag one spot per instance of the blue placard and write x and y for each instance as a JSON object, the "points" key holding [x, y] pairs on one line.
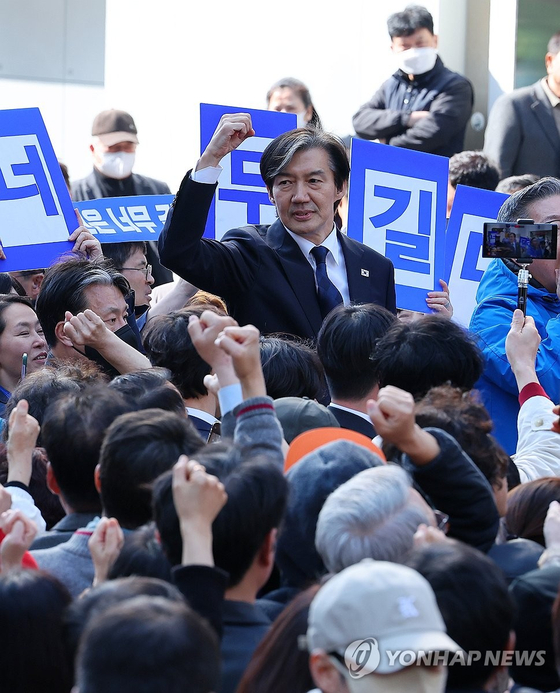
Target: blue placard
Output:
{"points": [[36, 213], [397, 205], [241, 197], [464, 264], [125, 219]]}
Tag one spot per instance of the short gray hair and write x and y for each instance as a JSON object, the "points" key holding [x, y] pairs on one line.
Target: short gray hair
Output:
{"points": [[370, 516], [516, 206]]}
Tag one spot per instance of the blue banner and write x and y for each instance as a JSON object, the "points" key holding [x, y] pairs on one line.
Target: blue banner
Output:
{"points": [[125, 219], [36, 213], [464, 264], [397, 205], [241, 197]]}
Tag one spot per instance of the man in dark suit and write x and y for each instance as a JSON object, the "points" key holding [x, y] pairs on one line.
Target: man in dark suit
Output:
{"points": [[345, 346], [288, 276], [523, 133]]}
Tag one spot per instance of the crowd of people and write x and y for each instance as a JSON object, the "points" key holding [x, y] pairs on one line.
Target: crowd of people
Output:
{"points": [[262, 477]]}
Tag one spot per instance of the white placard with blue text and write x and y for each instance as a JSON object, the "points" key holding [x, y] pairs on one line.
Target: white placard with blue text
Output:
{"points": [[397, 205], [125, 219], [36, 213], [464, 264], [241, 197]]}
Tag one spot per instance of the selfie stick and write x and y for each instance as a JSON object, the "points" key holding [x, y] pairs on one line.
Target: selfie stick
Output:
{"points": [[524, 276]]}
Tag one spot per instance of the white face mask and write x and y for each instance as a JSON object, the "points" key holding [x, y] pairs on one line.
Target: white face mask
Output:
{"points": [[117, 164], [301, 122], [416, 61]]}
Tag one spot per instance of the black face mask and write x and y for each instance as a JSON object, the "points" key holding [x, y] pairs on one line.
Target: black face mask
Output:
{"points": [[127, 334]]}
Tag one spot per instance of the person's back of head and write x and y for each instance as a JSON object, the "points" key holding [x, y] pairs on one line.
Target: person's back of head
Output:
{"points": [[73, 430], [257, 493], [65, 286], [462, 415], [141, 555], [473, 168], [473, 598], [311, 481], [291, 369], [513, 184], [168, 344], [150, 389], [412, 18], [148, 645], [345, 345], [527, 506], [41, 388], [104, 596], [418, 355], [138, 447], [32, 654], [375, 514]]}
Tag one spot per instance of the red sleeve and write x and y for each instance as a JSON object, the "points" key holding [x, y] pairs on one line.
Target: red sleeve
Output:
{"points": [[531, 390]]}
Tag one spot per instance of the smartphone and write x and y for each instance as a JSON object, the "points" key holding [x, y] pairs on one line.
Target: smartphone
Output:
{"points": [[23, 366], [520, 241]]}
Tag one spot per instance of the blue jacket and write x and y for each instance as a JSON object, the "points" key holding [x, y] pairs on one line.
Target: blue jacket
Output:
{"points": [[491, 321]]}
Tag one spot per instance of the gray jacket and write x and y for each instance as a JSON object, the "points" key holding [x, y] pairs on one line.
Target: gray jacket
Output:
{"points": [[521, 136]]}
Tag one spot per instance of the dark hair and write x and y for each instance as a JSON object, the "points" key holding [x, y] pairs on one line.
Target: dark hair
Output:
{"points": [[73, 430], [148, 645], [516, 206], [554, 44], [7, 283], [142, 556], [512, 184], [279, 664], [346, 343], [472, 595], [421, 354], [138, 447], [464, 417], [98, 599], [48, 504], [475, 169], [527, 506], [163, 397], [149, 389], [32, 654], [280, 152], [168, 343], [39, 389], [300, 90], [8, 300], [412, 18], [65, 173], [120, 252], [257, 493], [64, 288], [291, 369]]}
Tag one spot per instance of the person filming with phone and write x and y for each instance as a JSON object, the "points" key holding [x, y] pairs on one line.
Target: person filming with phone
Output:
{"points": [[497, 298]]}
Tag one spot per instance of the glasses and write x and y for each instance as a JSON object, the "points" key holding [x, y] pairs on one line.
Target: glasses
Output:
{"points": [[146, 270], [442, 521]]}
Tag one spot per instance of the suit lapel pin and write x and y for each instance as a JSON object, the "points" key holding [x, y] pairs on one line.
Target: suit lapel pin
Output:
{"points": [[364, 272]]}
